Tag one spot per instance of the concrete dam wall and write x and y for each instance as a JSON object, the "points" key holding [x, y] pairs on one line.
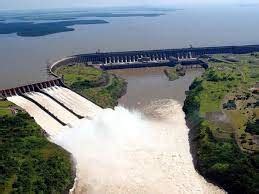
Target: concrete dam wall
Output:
{"points": [[55, 107], [163, 57]]}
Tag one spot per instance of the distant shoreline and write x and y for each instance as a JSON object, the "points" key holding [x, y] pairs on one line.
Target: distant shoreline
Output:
{"points": [[32, 25]]}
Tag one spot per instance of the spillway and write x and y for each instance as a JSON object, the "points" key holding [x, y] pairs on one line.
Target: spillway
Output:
{"points": [[123, 152], [61, 106], [73, 101], [53, 107], [49, 124]]}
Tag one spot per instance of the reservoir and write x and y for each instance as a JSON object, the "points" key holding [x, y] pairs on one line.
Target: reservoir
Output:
{"points": [[24, 59]]}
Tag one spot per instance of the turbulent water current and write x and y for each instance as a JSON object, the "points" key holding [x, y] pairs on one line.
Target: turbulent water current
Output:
{"points": [[124, 152], [118, 151]]}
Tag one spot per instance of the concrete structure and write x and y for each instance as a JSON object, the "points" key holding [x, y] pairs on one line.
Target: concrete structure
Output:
{"points": [[30, 88], [147, 58], [55, 107], [30, 92], [61, 106]]}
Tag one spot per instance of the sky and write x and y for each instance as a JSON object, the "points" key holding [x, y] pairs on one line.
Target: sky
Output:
{"points": [[38, 4]]}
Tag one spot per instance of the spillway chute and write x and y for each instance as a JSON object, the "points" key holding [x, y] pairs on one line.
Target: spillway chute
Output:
{"points": [[74, 101], [54, 107], [49, 124]]}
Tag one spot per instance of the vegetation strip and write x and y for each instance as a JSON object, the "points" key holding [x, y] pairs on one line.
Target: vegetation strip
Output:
{"points": [[96, 85], [222, 110], [29, 163]]}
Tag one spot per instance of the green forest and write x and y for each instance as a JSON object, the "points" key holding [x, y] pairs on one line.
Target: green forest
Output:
{"points": [[29, 163]]}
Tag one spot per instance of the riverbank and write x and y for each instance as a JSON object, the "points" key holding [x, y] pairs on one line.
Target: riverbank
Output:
{"points": [[29, 162], [219, 107], [100, 87]]}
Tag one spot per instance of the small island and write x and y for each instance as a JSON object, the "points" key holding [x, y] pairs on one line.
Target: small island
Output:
{"points": [[31, 29], [174, 73], [222, 110]]}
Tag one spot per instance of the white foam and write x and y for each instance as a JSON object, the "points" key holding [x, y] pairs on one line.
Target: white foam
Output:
{"points": [[52, 106], [122, 152], [65, 96], [75, 102]]}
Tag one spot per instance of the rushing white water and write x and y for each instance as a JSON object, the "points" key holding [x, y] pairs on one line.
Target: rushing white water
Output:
{"points": [[120, 151], [65, 96], [60, 112], [74, 101], [123, 152]]}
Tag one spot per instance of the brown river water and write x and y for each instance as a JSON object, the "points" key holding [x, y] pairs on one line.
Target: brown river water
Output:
{"points": [[148, 84]]}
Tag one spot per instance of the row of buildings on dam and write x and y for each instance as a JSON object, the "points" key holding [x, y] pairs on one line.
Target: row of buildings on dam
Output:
{"points": [[150, 58]]}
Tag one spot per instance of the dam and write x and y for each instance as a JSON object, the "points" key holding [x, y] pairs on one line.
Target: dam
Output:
{"points": [[52, 105], [64, 106], [152, 58]]}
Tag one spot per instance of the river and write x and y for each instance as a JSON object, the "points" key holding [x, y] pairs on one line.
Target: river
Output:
{"points": [[148, 84], [142, 146]]}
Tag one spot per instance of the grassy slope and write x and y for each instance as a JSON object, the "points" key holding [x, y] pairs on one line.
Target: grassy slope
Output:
{"points": [[219, 156], [29, 163], [77, 74], [5, 108], [95, 84]]}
